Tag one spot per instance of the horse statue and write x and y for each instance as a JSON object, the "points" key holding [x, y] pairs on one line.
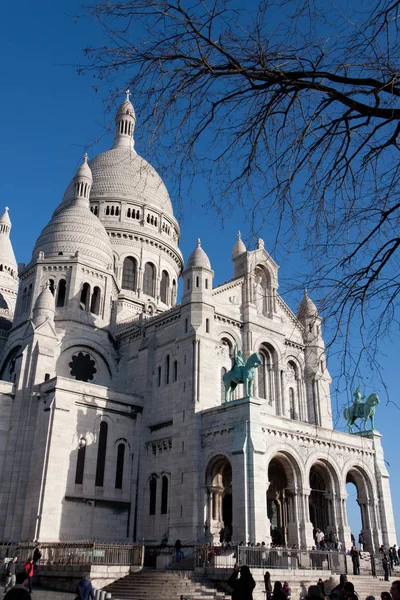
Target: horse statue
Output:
{"points": [[361, 410], [241, 374]]}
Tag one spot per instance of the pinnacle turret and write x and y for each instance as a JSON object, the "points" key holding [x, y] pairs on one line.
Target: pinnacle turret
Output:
{"points": [[125, 124]]}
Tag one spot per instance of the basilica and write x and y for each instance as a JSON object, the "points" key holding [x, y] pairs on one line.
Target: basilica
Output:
{"points": [[115, 423]]}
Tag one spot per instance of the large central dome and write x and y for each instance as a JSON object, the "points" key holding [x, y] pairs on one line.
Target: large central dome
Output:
{"points": [[121, 173]]}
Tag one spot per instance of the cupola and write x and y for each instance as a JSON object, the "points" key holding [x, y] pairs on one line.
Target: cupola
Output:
{"points": [[197, 276], [239, 248], [307, 308], [44, 307], [125, 124], [82, 182], [198, 258]]}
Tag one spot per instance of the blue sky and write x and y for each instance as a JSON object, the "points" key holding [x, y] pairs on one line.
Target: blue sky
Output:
{"points": [[50, 115]]}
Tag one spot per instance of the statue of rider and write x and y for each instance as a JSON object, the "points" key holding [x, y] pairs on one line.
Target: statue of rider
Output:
{"points": [[358, 398], [237, 360]]}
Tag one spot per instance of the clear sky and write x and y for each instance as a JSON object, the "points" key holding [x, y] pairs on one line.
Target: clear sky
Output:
{"points": [[51, 115]]}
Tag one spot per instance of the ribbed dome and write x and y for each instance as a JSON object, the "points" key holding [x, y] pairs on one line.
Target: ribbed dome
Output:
{"points": [[75, 229], [121, 173], [239, 247], [307, 307], [198, 258]]}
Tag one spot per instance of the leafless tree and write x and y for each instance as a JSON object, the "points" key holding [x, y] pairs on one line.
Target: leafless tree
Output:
{"points": [[292, 111]]}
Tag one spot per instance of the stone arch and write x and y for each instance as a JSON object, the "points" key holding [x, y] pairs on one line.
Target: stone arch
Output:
{"points": [[284, 479], [8, 369], [324, 490], [84, 363], [268, 375], [366, 499], [293, 389], [262, 290], [218, 477]]}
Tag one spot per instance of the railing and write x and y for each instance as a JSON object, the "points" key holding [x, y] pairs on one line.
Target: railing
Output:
{"points": [[270, 558], [76, 553]]}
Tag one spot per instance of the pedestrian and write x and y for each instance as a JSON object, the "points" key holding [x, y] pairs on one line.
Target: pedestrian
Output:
{"points": [[361, 542], [349, 592], [268, 585], [395, 555], [386, 596], [278, 593], [314, 592], [85, 589], [178, 550], [321, 584], [385, 566], [29, 570], [244, 586], [319, 537], [11, 571], [355, 557], [286, 589], [353, 539], [37, 555], [19, 591], [395, 590], [338, 590]]}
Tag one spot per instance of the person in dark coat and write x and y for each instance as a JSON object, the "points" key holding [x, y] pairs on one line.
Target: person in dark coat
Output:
{"points": [[278, 593], [19, 591], [244, 586], [178, 550], [321, 584], [85, 589], [11, 572], [37, 555], [355, 557], [268, 585], [385, 566]]}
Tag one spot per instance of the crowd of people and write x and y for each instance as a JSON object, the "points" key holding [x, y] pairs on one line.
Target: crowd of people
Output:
{"points": [[243, 586]]}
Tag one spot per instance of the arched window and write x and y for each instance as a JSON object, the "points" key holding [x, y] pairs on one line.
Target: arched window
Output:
{"points": [[197, 281], [85, 297], [153, 495], [107, 210], [128, 212], [228, 345], [292, 409], [95, 303], [50, 283], [164, 495], [175, 370], [149, 279], [207, 325], [223, 371], [101, 454], [80, 462], [173, 298], [119, 474], [61, 292], [167, 363], [164, 287]]}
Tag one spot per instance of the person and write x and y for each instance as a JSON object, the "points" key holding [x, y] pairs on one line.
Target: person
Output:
{"points": [[337, 591], [319, 537], [349, 592], [314, 591], [11, 571], [19, 591], [178, 550], [355, 557], [361, 542], [395, 556], [353, 539], [386, 596], [278, 593], [395, 590], [85, 589], [268, 585], [37, 555], [237, 360], [286, 589], [385, 566], [244, 586], [29, 569], [321, 584]]}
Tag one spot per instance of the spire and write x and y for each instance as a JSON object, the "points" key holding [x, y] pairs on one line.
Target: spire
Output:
{"points": [[125, 124], [307, 307], [8, 263], [83, 182], [239, 247]]}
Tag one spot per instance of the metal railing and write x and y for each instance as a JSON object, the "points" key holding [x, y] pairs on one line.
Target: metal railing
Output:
{"points": [[270, 558], [76, 553]]}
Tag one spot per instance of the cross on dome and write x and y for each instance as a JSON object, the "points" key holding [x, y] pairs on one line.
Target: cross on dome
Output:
{"points": [[6, 208], [85, 157], [128, 93]]}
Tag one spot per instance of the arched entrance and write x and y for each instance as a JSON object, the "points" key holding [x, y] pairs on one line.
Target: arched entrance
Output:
{"points": [[282, 509], [360, 481], [219, 500], [323, 488]]}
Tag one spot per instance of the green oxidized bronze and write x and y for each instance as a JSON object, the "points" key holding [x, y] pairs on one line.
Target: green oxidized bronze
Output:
{"points": [[241, 372], [361, 410]]}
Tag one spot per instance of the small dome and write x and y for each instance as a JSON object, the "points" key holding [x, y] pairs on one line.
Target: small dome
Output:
{"points": [[7, 256], [44, 307], [307, 307], [5, 218], [84, 170], [198, 258], [239, 247]]}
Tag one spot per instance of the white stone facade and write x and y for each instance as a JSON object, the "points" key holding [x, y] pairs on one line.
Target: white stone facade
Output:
{"points": [[113, 421]]}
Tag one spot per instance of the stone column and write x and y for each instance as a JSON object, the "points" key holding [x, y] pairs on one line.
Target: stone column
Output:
{"points": [[306, 528], [344, 531], [294, 524]]}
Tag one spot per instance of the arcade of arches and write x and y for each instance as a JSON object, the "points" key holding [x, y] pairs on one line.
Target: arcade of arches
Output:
{"points": [[295, 507]]}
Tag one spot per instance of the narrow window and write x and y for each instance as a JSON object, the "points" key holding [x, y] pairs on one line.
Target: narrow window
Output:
{"points": [[107, 210], [207, 325], [197, 282], [80, 464], [173, 298], [61, 291], [95, 303], [101, 454], [120, 466], [128, 213], [223, 371], [188, 284], [159, 376], [50, 283], [149, 279], [153, 494], [310, 327], [129, 274], [175, 370], [85, 296], [206, 284], [167, 361], [292, 411], [186, 325], [46, 376], [164, 287], [164, 495]]}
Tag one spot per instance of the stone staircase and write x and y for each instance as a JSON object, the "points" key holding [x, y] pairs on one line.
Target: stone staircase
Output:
{"points": [[365, 585], [168, 585]]}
